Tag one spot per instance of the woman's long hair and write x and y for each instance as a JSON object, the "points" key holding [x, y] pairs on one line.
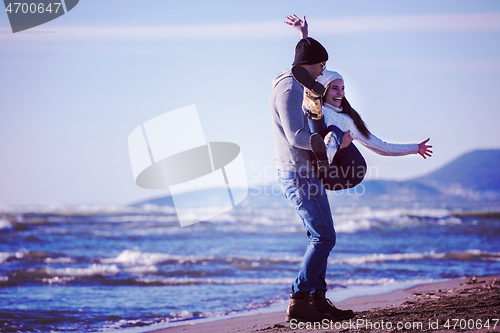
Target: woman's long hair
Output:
{"points": [[360, 124]]}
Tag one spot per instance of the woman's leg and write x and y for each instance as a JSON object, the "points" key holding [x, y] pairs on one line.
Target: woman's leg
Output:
{"points": [[332, 138], [318, 126], [348, 167], [347, 170]]}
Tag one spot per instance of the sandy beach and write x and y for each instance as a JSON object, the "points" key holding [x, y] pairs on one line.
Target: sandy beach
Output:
{"points": [[460, 305]]}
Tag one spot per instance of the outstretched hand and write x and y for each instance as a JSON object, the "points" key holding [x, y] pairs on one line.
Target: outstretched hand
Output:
{"points": [[299, 24], [423, 149]]}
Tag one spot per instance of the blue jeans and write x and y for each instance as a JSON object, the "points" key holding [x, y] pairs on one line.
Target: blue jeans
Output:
{"points": [[307, 194]]}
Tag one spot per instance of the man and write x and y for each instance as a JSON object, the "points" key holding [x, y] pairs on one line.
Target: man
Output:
{"points": [[303, 188]]}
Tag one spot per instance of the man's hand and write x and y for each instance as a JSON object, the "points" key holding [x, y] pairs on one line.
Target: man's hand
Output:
{"points": [[299, 24], [346, 139]]}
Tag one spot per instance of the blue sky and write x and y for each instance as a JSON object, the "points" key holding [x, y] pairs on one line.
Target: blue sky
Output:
{"points": [[74, 88]]}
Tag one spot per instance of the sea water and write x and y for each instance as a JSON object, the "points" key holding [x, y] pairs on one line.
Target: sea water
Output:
{"points": [[97, 269]]}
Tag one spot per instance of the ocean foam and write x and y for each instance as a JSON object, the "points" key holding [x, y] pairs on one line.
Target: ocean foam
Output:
{"points": [[349, 221], [62, 260], [469, 255], [5, 225], [93, 270], [140, 270], [185, 281], [4, 256], [145, 261], [138, 258], [133, 258]]}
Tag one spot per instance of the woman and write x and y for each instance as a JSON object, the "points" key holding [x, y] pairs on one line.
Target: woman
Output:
{"points": [[339, 124]]}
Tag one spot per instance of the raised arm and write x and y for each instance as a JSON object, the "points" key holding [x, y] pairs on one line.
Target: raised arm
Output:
{"points": [[299, 24]]}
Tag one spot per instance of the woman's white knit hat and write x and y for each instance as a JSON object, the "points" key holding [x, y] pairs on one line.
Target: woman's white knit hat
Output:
{"points": [[328, 76]]}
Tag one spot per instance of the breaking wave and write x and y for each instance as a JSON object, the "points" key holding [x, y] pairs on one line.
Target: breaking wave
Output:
{"points": [[469, 255], [153, 269]]}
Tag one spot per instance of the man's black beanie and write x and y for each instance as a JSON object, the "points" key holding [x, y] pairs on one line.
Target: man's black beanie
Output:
{"points": [[309, 52]]}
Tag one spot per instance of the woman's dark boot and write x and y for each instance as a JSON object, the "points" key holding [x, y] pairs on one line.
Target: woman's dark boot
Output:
{"points": [[322, 304], [318, 146], [301, 310]]}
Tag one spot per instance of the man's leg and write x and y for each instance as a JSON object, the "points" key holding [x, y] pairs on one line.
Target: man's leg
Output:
{"points": [[318, 296], [303, 194], [315, 213], [317, 218]]}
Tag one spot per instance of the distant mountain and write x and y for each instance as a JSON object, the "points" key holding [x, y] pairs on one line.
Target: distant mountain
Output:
{"points": [[476, 171], [472, 181]]}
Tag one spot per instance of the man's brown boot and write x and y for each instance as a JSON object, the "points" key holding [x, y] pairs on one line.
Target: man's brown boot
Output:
{"points": [[322, 304], [301, 310]]}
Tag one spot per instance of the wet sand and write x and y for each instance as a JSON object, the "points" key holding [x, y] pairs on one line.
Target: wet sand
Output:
{"points": [[461, 305]]}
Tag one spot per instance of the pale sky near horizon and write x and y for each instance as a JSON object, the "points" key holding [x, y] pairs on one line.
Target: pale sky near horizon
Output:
{"points": [[74, 88]]}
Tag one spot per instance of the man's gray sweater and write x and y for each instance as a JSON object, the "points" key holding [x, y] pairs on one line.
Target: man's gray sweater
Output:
{"points": [[291, 130]]}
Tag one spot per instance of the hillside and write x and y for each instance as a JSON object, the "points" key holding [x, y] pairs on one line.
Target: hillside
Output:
{"points": [[476, 171]]}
